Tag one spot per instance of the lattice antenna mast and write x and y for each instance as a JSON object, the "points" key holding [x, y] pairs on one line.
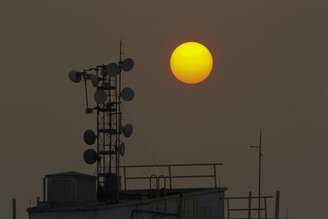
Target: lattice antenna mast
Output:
{"points": [[107, 81]]}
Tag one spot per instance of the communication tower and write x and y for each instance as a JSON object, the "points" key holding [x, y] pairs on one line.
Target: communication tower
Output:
{"points": [[109, 147]]}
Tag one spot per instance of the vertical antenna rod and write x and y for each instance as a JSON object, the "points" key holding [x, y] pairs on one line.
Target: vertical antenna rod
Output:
{"points": [[259, 147], [14, 208]]}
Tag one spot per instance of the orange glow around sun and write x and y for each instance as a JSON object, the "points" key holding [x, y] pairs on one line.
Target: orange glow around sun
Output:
{"points": [[191, 62]]}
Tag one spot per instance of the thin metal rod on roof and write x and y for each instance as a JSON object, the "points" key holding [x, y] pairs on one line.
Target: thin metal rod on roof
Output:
{"points": [[259, 147], [14, 212]]}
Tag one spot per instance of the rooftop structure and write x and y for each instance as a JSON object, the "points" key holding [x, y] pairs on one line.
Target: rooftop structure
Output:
{"points": [[112, 192], [71, 195]]}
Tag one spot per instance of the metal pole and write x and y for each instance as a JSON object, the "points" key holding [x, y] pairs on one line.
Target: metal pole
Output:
{"points": [[260, 175], [214, 173], [277, 204], [44, 189], [228, 208], [14, 208], [124, 173], [118, 123], [170, 176], [249, 204], [265, 208], [259, 147]]}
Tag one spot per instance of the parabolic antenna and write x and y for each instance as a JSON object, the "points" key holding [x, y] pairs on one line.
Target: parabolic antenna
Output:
{"points": [[89, 137], [75, 76], [127, 94], [127, 64], [90, 156], [100, 96], [127, 130], [112, 69], [121, 149]]}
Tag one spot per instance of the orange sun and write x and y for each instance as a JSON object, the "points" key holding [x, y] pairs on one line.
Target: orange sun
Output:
{"points": [[191, 62]]}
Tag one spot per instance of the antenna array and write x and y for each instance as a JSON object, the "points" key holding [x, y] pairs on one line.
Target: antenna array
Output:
{"points": [[107, 79]]}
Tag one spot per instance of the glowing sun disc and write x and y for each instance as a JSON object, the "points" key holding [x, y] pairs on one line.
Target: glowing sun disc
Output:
{"points": [[191, 62]]}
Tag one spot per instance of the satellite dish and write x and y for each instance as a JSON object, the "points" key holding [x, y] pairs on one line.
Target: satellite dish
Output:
{"points": [[121, 149], [75, 76], [90, 156], [127, 130], [127, 64], [89, 137], [94, 80], [127, 94], [100, 96], [112, 69]]}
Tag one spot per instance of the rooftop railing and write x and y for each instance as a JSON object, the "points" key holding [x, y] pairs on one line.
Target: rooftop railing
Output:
{"points": [[250, 209], [169, 177]]}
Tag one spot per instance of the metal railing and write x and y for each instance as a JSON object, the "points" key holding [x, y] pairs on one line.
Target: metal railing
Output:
{"points": [[169, 176], [250, 208]]}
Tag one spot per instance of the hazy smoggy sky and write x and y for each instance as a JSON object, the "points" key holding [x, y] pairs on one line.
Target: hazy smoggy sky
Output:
{"points": [[270, 72]]}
